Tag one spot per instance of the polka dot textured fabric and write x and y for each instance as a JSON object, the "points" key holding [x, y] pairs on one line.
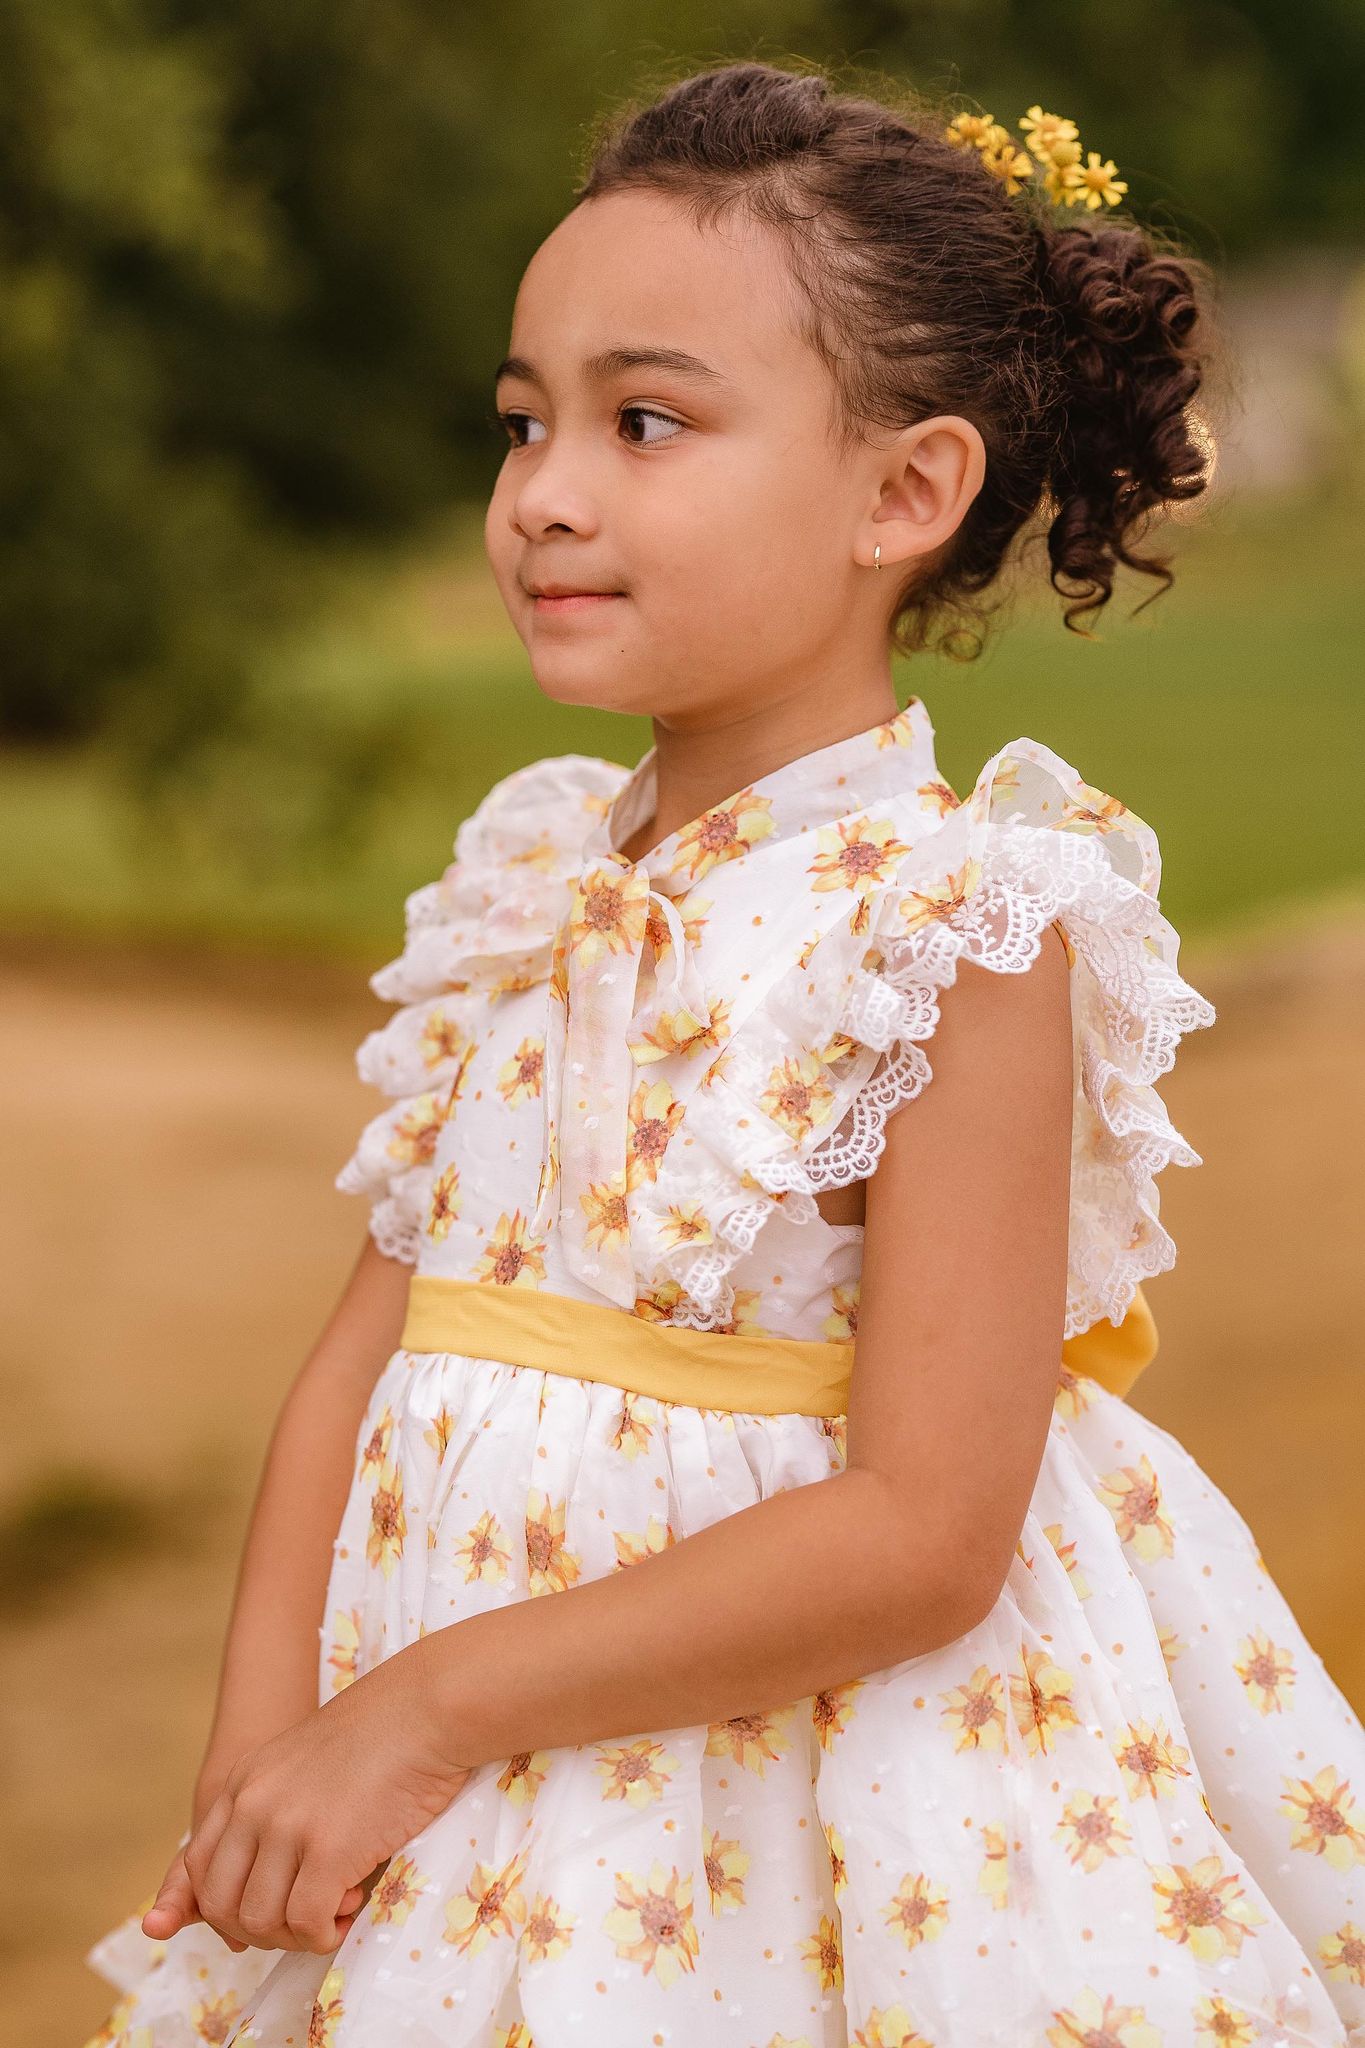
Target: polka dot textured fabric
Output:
{"points": [[1125, 1810]]}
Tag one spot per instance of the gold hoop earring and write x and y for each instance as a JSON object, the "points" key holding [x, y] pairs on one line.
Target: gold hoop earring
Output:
{"points": [[877, 555]]}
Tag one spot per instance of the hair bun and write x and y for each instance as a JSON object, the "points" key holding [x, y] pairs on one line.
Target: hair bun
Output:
{"points": [[1129, 330]]}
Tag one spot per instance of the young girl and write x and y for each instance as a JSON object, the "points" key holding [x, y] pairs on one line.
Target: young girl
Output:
{"points": [[1001, 1731]]}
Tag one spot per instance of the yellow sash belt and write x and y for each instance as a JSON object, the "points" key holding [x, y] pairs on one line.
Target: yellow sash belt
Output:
{"points": [[755, 1375]]}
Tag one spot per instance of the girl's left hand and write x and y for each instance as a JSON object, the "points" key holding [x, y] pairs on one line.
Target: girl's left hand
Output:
{"points": [[281, 1857]]}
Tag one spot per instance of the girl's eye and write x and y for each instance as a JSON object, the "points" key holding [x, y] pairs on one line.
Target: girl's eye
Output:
{"points": [[647, 412], [509, 421], [512, 422]]}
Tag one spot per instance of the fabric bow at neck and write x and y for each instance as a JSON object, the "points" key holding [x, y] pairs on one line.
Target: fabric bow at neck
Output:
{"points": [[610, 1014]]}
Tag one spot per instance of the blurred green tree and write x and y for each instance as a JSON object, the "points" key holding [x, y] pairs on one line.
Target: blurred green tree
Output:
{"points": [[257, 259]]}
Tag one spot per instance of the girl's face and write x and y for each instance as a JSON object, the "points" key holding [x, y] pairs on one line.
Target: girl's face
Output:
{"points": [[670, 443]]}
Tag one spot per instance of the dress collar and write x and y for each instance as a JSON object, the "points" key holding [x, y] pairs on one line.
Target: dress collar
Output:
{"points": [[849, 774]]}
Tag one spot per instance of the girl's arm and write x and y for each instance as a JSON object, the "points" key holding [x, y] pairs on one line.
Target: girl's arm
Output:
{"points": [[957, 1361], [269, 1675]]}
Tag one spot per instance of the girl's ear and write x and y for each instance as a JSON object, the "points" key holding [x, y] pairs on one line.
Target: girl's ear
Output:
{"points": [[928, 476]]}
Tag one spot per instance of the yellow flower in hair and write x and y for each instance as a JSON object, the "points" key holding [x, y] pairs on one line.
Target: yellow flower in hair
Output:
{"points": [[1094, 183], [1044, 131], [1056, 178], [1007, 163], [970, 131]]}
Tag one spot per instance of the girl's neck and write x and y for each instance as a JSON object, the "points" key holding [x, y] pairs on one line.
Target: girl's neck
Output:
{"points": [[695, 770]]}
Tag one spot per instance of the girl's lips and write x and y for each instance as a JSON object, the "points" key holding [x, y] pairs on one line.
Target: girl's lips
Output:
{"points": [[581, 600]]}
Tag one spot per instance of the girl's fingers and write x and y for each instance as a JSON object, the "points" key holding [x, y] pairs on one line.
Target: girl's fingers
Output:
{"points": [[265, 1894], [220, 1884], [174, 1905], [313, 1906], [204, 1839]]}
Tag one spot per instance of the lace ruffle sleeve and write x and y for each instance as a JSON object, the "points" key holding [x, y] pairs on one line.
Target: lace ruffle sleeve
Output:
{"points": [[483, 929], [800, 1097]]}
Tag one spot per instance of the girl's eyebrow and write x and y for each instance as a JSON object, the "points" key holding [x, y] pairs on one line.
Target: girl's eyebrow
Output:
{"points": [[611, 362]]}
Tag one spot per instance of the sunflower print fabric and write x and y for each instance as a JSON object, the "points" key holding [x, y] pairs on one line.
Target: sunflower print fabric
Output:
{"points": [[1127, 1810]]}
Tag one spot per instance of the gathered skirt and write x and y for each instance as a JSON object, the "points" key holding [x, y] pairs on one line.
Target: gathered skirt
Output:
{"points": [[1126, 1810]]}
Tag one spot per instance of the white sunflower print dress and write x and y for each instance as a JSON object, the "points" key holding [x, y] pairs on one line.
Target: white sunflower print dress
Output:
{"points": [[1127, 1810]]}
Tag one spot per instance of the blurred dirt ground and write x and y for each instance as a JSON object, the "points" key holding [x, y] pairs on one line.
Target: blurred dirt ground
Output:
{"points": [[174, 1244]]}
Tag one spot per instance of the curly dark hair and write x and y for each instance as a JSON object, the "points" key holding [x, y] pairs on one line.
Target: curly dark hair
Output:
{"points": [[1076, 346]]}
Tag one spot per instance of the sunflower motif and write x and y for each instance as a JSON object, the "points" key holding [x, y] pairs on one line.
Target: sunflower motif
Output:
{"points": [[726, 1866], [941, 900], [838, 1858], [976, 1711], [375, 1448], [607, 914], [520, 1077], [606, 1207], [798, 1096], [344, 1652], [444, 1203], [1091, 1831], [213, 2019], [491, 1905], [441, 1038], [484, 1551], [652, 1924], [1267, 1671], [1096, 812], [832, 1710], [1151, 1759], [1343, 1952], [1220, 2025], [734, 828], [751, 1740], [823, 1952], [993, 1881], [547, 1933], [1040, 1693], [397, 1891], [1202, 1907], [917, 1911], [841, 1324], [1107, 2019], [329, 2009], [856, 853], [1064, 1547], [412, 1140], [635, 1420], [653, 1116], [658, 1535], [552, 1565], [638, 1772], [888, 2026], [1326, 1817], [388, 1523], [511, 1258], [940, 796], [1132, 1495], [522, 1776], [685, 1223]]}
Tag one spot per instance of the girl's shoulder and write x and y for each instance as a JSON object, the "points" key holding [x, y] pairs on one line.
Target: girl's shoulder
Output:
{"points": [[480, 930], [497, 899]]}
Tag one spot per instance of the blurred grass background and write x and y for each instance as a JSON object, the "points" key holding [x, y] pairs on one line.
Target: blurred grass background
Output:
{"points": [[1236, 727], [257, 262]]}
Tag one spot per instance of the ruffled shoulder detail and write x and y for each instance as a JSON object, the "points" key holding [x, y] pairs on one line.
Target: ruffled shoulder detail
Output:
{"points": [[799, 1099], [483, 929]]}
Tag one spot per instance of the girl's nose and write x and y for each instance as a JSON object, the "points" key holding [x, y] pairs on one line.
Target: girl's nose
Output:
{"points": [[557, 492]]}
